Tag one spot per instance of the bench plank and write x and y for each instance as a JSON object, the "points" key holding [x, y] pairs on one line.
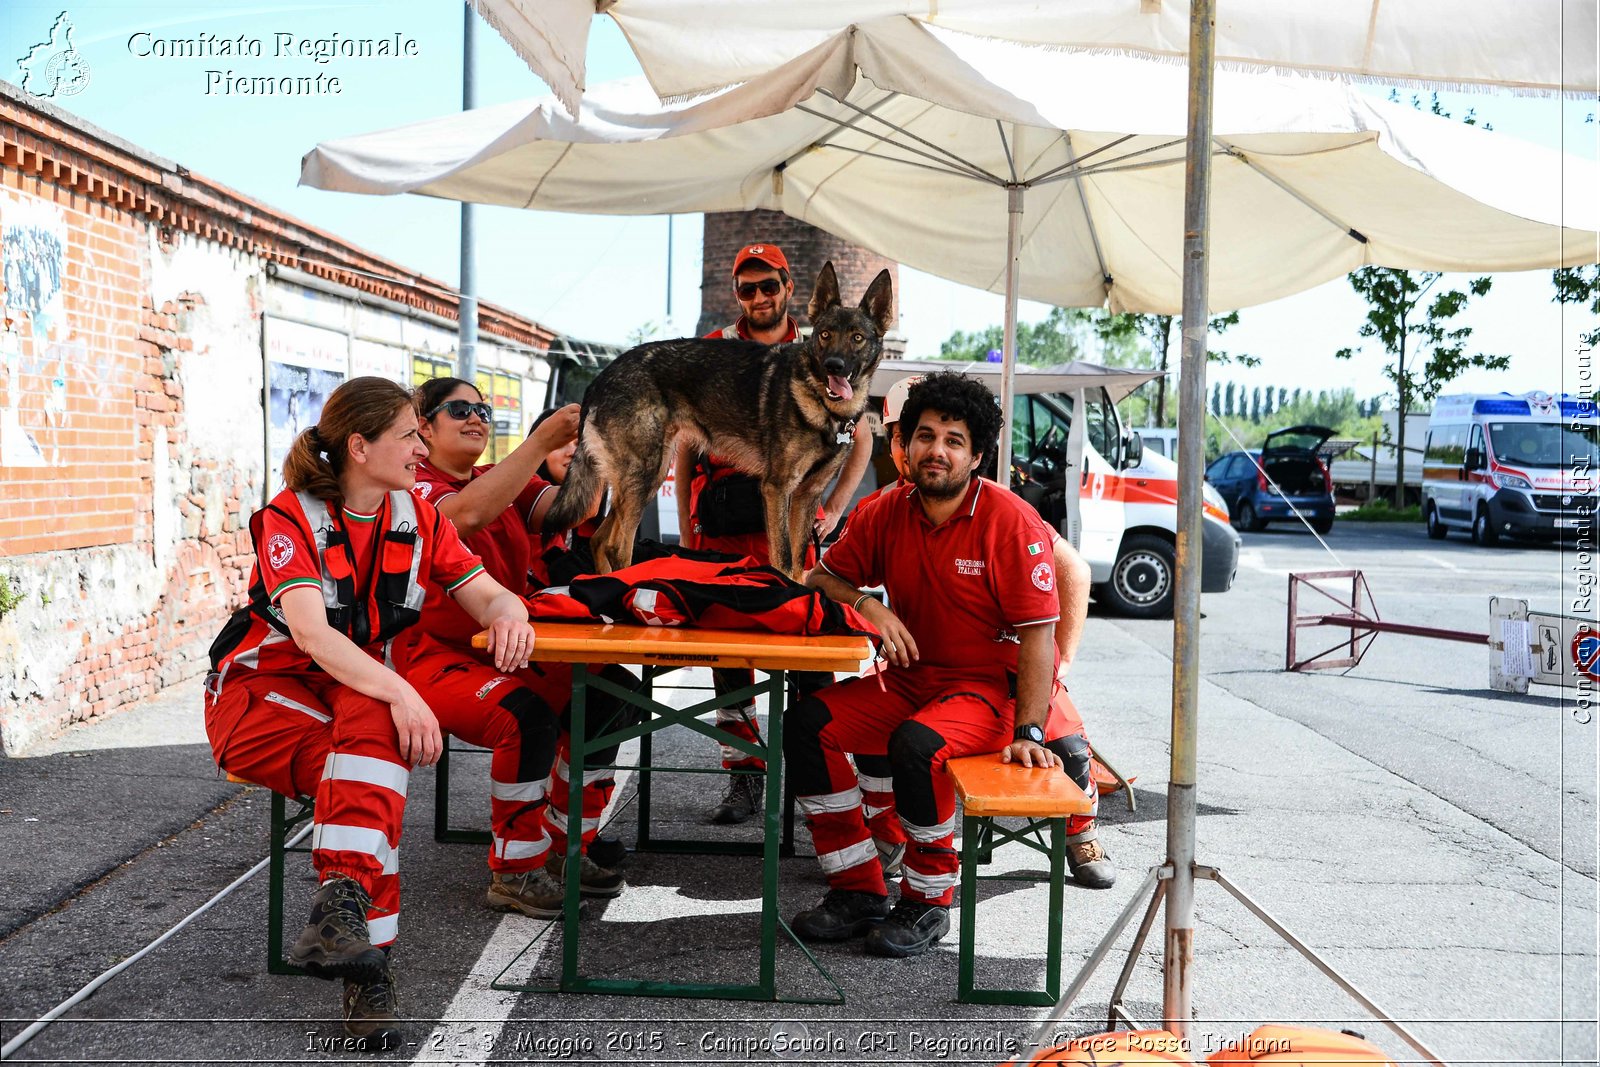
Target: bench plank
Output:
{"points": [[988, 787]]}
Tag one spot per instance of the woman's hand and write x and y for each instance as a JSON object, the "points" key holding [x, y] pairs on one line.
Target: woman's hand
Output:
{"points": [[558, 431], [420, 740], [510, 642]]}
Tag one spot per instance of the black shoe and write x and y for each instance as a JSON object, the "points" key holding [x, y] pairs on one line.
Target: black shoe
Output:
{"points": [[593, 879], [843, 914], [335, 943], [1090, 866], [910, 930], [743, 800], [372, 1014], [608, 852]]}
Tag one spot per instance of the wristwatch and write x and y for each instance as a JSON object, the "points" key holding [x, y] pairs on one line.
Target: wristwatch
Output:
{"points": [[1028, 733]]}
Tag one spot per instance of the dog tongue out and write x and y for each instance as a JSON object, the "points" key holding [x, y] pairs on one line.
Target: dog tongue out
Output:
{"points": [[839, 387]]}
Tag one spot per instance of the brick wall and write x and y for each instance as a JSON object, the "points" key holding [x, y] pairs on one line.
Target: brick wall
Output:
{"points": [[132, 435], [807, 249]]}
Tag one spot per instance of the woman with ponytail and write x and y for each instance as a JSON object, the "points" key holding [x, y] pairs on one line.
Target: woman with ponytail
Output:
{"points": [[499, 510], [324, 686]]}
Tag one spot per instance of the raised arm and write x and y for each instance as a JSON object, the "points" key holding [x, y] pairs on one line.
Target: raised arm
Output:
{"points": [[486, 497]]}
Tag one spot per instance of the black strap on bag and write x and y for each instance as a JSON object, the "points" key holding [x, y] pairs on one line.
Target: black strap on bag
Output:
{"points": [[731, 505]]}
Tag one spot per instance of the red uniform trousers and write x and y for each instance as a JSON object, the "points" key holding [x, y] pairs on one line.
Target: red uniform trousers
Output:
{"points": [[309, 735], [1067, 740], [922, 717]]}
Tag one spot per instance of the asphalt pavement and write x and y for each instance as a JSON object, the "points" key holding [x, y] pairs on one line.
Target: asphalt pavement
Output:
{"points": [[1433, 840]]}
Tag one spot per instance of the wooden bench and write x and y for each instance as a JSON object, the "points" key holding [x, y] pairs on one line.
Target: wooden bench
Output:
{"points": [[1042, 796]]}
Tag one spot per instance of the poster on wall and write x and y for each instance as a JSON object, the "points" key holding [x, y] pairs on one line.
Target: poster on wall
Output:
{"points": [[304, 365], [33, 385]]}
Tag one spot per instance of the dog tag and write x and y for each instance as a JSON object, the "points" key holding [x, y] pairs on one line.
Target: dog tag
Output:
{"points": [[843, 438]]}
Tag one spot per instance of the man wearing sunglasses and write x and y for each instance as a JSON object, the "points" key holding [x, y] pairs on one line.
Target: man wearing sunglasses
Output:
{"points": [[719, 508]]}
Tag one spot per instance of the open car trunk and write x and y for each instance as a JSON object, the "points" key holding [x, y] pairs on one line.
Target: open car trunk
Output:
{"points": [[1296, 473]]}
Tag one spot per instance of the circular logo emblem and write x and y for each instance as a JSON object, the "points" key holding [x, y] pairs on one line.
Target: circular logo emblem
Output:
{"points": [[280, 550], [422, 489], [66, 73], [1044, 577], [756, 250], [1586, 653]]}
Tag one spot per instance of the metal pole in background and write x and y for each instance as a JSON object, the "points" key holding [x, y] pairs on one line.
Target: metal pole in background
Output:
{"points": [[1177, 970], [467, 340], [1008, 355]]}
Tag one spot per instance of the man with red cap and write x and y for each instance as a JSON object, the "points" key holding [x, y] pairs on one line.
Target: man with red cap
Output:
{"points": [[720, 509]]}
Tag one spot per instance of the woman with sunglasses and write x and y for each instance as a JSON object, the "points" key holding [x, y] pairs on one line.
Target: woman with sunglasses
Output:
{"points": [[499, 510], [324, 686]]}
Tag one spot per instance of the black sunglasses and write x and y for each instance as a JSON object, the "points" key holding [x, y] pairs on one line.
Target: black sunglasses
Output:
{"points": [[768, 287], [460, 409]]}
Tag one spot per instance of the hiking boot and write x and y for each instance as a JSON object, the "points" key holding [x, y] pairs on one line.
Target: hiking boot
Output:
{"points": [[893, 858], [843, 914], [335, 943], [1091, 867], [910, 930], [593, 879], [534, 893], [742, 801], [608, 851], [371, 1013]]}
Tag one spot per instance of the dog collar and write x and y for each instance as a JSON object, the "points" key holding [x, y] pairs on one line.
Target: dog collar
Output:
{"points": [[845, 433]]}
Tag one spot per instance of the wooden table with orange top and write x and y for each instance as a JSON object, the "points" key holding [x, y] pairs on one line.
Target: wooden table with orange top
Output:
{"points": [[671, 647]]}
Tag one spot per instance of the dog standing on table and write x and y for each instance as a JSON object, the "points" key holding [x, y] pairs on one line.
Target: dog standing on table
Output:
{"points": [[782, 413]]}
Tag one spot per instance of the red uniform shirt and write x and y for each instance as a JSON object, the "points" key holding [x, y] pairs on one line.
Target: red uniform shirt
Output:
{"points": [[508, 546], [287, 558], [963, 588]]}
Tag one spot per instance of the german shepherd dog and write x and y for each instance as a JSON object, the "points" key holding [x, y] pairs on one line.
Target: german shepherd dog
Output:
{"points": [[782, 413]]}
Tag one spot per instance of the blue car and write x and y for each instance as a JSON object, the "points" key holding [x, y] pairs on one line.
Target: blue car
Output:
{"points": [[1260, 487]]}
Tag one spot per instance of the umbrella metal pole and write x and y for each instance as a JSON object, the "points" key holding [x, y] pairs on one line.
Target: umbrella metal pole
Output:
{"points": [[1177, 971], [1008, 357], [467, 336]]}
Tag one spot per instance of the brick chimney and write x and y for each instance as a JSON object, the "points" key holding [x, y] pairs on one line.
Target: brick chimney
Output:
{"points": [[807, 249]]}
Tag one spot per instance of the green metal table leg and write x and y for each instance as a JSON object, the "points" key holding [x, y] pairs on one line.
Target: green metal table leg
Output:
{"points": [[969, 905], [278, 837], [1058, 878], [577, 759]]}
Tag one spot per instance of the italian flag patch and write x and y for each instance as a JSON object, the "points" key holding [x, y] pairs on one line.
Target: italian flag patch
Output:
{"points": [[1036, 548]]}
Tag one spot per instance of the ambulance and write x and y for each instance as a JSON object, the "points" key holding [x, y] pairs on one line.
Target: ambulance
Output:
{"points": [[1501, 465]]}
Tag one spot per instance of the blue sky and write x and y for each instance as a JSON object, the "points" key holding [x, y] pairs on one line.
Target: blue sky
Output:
{"points": [[603, 276]]}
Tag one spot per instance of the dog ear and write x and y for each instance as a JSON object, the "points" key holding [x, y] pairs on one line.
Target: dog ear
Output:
{"points": [[825, 294], [878, 302]]}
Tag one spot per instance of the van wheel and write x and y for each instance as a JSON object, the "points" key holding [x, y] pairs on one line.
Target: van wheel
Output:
{"points": [[1483, 531], [1142, 580], [1436, 529]]}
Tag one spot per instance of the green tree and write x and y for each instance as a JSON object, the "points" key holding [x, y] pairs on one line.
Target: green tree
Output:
{"points": [[1216, 400], [1427, 354], [1058, 338], [1255, 404], [1580, 285], [1155, 333], [1227, 401]]}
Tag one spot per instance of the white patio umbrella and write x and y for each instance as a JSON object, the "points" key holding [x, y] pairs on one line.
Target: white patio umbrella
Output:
{"points": [[690, 46], [916, 142]]}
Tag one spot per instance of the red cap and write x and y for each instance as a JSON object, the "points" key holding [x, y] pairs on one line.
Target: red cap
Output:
{"points": [[771, 255]]}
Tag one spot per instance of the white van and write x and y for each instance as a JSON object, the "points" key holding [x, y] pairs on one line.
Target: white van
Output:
{"points": [[1500, 465], [1161, 440]]}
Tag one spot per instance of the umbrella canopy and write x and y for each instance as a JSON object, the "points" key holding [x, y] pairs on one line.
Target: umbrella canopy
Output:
{"points": [[689, 47], [909, 140], [1062, 378]]}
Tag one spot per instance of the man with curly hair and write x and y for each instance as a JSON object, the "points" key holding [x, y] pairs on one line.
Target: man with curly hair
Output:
{"points": [[971, 576]]}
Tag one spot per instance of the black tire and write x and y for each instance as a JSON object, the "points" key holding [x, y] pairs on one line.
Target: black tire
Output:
{"points": [[1483, 531], [1143, 579], [1322, 526], [1437, 531], [1246, 518]]}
